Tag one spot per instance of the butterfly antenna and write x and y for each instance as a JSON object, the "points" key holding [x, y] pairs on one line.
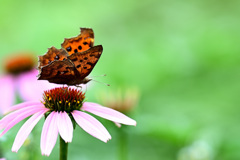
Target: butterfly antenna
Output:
{"points": [[101, 82]]}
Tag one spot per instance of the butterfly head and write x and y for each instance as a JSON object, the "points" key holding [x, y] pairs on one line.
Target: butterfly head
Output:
{"points": [[86, 80]]}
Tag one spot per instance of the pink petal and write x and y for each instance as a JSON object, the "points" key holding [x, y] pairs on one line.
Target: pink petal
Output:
{"points": [[30, 88], [26, 129], [7, 93], [65, 126], [107, 113], [25, 112], [117, 124], [18, 117], [49, 134], [91, 125], [23, 105]]}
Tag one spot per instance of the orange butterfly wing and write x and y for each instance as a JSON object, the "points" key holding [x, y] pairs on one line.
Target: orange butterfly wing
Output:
{"points": [[52, 55], [80, 43], [60, 72], [85, 61]]}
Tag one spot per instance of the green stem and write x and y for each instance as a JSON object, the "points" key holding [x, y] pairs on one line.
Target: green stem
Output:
{"points": [[122, 144], [63, 149], [1, 152]]}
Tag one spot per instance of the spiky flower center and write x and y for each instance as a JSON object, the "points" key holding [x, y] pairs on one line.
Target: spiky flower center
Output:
{"points": [[19, 64], [63, 99]]}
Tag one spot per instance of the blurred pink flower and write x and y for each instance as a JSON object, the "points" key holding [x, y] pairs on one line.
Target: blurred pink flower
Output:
{"points": [[26, 85], [20, 77], [59, 105]]}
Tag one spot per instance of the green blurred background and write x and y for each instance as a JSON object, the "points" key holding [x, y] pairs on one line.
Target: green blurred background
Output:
{"points": [[181, 55]]}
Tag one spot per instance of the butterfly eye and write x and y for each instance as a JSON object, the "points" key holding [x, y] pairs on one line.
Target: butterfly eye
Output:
{"points": [[57, 57], [68, 49], [79, 47]]}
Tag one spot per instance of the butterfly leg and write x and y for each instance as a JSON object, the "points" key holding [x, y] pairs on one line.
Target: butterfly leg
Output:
{"points": [[78, 87], [66, 89]]}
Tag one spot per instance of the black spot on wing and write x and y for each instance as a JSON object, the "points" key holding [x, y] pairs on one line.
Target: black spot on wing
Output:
{"points": [[68, 49], [56, 57], [90, 63]]}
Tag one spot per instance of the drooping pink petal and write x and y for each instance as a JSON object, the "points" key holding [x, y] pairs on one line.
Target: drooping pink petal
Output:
{"points": [[30, 88], [27, 111], [65, 126], [107, 113], [20, 116], [49, 134], [26, 129], [117, 124], [91, 125], [7, 97], [22, 105]]}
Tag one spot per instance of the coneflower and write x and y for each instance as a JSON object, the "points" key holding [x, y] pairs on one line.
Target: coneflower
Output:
{"points": [[63, 108]]}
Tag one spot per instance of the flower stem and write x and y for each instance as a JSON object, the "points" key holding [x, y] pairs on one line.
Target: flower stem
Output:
{"points": [[1, 152], [122, 144], [63, 149]]}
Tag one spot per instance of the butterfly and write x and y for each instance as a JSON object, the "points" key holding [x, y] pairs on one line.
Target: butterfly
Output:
{"points": [[73, 62]]}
